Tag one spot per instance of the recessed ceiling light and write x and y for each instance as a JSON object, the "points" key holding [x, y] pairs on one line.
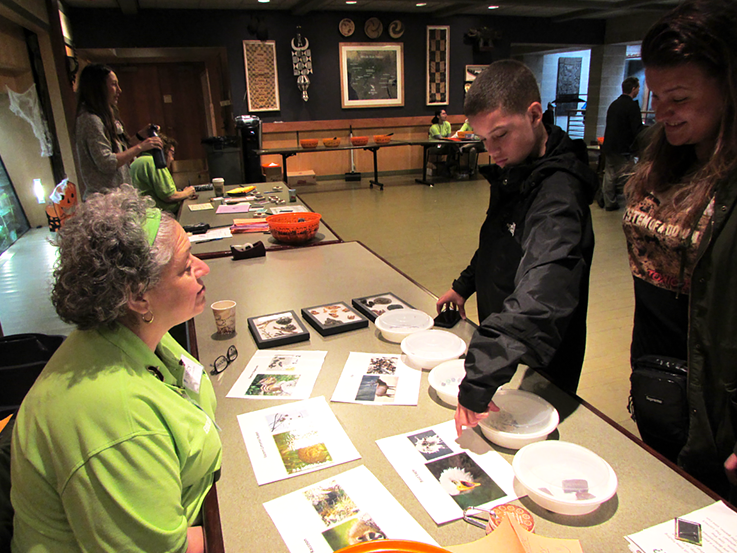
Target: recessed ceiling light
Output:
{"points": [[351, 2], [493, 7], [264, 1], [420, 4]]}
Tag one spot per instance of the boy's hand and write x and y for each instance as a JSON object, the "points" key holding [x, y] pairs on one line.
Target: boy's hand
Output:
{"points": [[453, 300], [730, 467], [467, 418]]}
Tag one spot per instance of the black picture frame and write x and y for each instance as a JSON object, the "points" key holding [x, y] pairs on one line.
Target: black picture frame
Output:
{"points": [[274, 330], [367, 305], [327, 322]]}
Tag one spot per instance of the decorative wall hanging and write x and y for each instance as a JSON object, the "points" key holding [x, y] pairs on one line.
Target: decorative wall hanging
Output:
{"points": [[396, 29], [438, 65], [373, 28], [569, 78], [346, 27], [302, 62], [473, 71], [262, 83], [371, 74]]}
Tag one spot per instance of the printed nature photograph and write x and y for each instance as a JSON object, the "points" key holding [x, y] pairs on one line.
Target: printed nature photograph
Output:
{"points": [[275, 385], [331, 502], [429, 445], [377, 389], [284, 362], [464, 480], [300, 451], [288, 420], [351, 532], [382, 365]]}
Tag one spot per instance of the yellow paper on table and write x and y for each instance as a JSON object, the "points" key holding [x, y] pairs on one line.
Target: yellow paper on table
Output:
{"points": [[510, 537]]}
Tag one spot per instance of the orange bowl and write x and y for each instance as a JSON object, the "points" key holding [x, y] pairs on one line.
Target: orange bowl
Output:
{"points": [[463, 134], [382, 139], [294, 228], [359, 140], [331, 142], [309, 142]]}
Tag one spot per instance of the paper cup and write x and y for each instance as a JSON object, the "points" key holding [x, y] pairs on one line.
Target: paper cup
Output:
{"points": [[218, 185], [224, 312]]}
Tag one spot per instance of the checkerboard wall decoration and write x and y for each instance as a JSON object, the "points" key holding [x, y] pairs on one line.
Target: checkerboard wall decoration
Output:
{"points": [[262, 83], [438, 65]]}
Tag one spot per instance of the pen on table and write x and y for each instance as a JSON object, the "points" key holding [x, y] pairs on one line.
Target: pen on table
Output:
{"points": [[209, 240]]}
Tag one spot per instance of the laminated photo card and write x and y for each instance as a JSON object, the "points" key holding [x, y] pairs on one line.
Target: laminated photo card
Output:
{"points": [[377, 379], [279, 374], [446, 473], [350, 508], [293, 439]]}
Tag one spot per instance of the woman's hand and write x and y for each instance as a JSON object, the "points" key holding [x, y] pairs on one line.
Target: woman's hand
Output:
{"points": [[730, 467], [465, 418], [453, 300], [190, 191], [151, 143]]}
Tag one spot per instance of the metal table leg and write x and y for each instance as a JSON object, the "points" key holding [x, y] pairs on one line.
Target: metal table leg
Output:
{"points": [[374, 150]]}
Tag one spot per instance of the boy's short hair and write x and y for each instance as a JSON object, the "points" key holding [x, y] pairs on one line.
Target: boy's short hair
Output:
{"points": [[506, 84], [629, 84]]}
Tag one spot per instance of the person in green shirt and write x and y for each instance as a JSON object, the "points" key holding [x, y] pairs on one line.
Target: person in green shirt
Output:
{"points": [[440, 127], [158, 183], [115, 446], [444, 155]]}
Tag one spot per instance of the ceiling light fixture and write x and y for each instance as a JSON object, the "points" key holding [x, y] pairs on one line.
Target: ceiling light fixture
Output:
{"points": [[420, 4], [264, 1], [351, 2], [493, 7]]}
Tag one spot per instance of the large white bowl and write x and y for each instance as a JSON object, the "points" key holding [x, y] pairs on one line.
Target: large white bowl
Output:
{"points": [[397, 324], [551, 471], [445, 379], [523, 418], [429, 348]]}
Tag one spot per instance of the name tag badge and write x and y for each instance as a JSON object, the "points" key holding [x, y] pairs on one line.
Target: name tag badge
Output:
{"points": [[192, 374]]}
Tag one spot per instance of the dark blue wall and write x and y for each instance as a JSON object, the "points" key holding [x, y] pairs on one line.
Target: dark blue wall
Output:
{"points": [[97, 28]]}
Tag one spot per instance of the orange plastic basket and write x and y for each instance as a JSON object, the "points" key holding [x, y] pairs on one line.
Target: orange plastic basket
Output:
{"points": [[309, 142], [359, 140], [294, 228], [331, 142], [382, 139]]}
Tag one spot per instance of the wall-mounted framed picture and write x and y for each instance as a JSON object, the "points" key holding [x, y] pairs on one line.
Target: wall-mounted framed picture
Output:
{"points": [[262, 82], [438, 65], [473, 71], [277, 329], [371, 74], [333, 318], [378, 304]]}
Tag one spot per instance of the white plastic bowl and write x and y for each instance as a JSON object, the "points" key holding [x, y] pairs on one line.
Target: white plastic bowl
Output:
{"points": [[523, 418], [397, 324], [563, 477], [445, 379], [428, 348]]}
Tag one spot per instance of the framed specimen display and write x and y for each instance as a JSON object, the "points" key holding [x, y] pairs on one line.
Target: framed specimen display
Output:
{"points": [[378, 304], [333, 318], [277, 329], [371, 74]]}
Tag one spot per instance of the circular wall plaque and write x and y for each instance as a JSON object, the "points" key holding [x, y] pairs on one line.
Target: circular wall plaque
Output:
{"points": [[373, 28], [396, 28], [346, 27]]}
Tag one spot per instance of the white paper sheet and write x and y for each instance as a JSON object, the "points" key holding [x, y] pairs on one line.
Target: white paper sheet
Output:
{"points": [[200, 207], [278, 374], [349, 508], [293, 439], [237, 208], [448, 474], [210, 235], [718, 533], [377, 379]]}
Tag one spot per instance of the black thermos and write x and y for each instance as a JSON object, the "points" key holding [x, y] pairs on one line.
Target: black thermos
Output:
{"points": [[159, 159]]}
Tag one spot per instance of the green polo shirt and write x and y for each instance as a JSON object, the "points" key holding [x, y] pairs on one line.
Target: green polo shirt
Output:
{"points": [[154, 182], [439, 129], [108, 457]]}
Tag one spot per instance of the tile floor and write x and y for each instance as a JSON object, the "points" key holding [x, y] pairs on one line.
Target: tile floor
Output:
{"points": [[428, 233]]}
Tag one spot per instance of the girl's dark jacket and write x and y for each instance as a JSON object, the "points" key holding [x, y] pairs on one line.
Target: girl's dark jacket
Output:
{"points": [[531, 271]]}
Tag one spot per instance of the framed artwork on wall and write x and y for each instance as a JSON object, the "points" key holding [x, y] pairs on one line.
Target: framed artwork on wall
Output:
{"points": [[371, 74], [262, 81], [473, 71], [438, 65]]}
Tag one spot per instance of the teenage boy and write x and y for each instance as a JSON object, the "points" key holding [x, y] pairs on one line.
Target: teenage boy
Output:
{"points": [[531, 269]]}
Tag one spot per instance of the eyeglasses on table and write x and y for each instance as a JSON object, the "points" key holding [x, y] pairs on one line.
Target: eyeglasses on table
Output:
{"points": [[223, 361]]}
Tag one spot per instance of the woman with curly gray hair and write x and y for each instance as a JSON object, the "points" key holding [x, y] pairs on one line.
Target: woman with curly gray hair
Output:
{"points": [[115, 446]]}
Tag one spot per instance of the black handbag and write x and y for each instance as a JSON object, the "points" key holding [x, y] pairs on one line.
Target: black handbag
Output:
{"points": [[659, 402]]}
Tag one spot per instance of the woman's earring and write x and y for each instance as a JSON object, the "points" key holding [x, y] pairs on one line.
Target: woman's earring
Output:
{"points": [[150, 318]]}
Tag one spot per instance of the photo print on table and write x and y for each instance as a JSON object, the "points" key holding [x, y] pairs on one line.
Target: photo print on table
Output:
{"points": [[351, 532], [378, 304], [277, 329], [333, 318], [273, 385], [463, 480], [429, 445], [377, 379], [300, 446], [378, 389]]}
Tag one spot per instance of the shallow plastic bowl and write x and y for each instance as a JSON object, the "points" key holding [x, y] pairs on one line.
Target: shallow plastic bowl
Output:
{"points": [[523, 418], [331, 142], [359, 140], [429, 348], [563, 477], [397, 324], [309, 142], [382, 139], [445, 379]]}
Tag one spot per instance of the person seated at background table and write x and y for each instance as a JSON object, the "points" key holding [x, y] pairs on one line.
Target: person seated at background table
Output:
{"points": [[115, 445], [469, 149], [103, 148], [681, 230], [158, 183], [440, 127], [443, 153], [531, 269]]}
